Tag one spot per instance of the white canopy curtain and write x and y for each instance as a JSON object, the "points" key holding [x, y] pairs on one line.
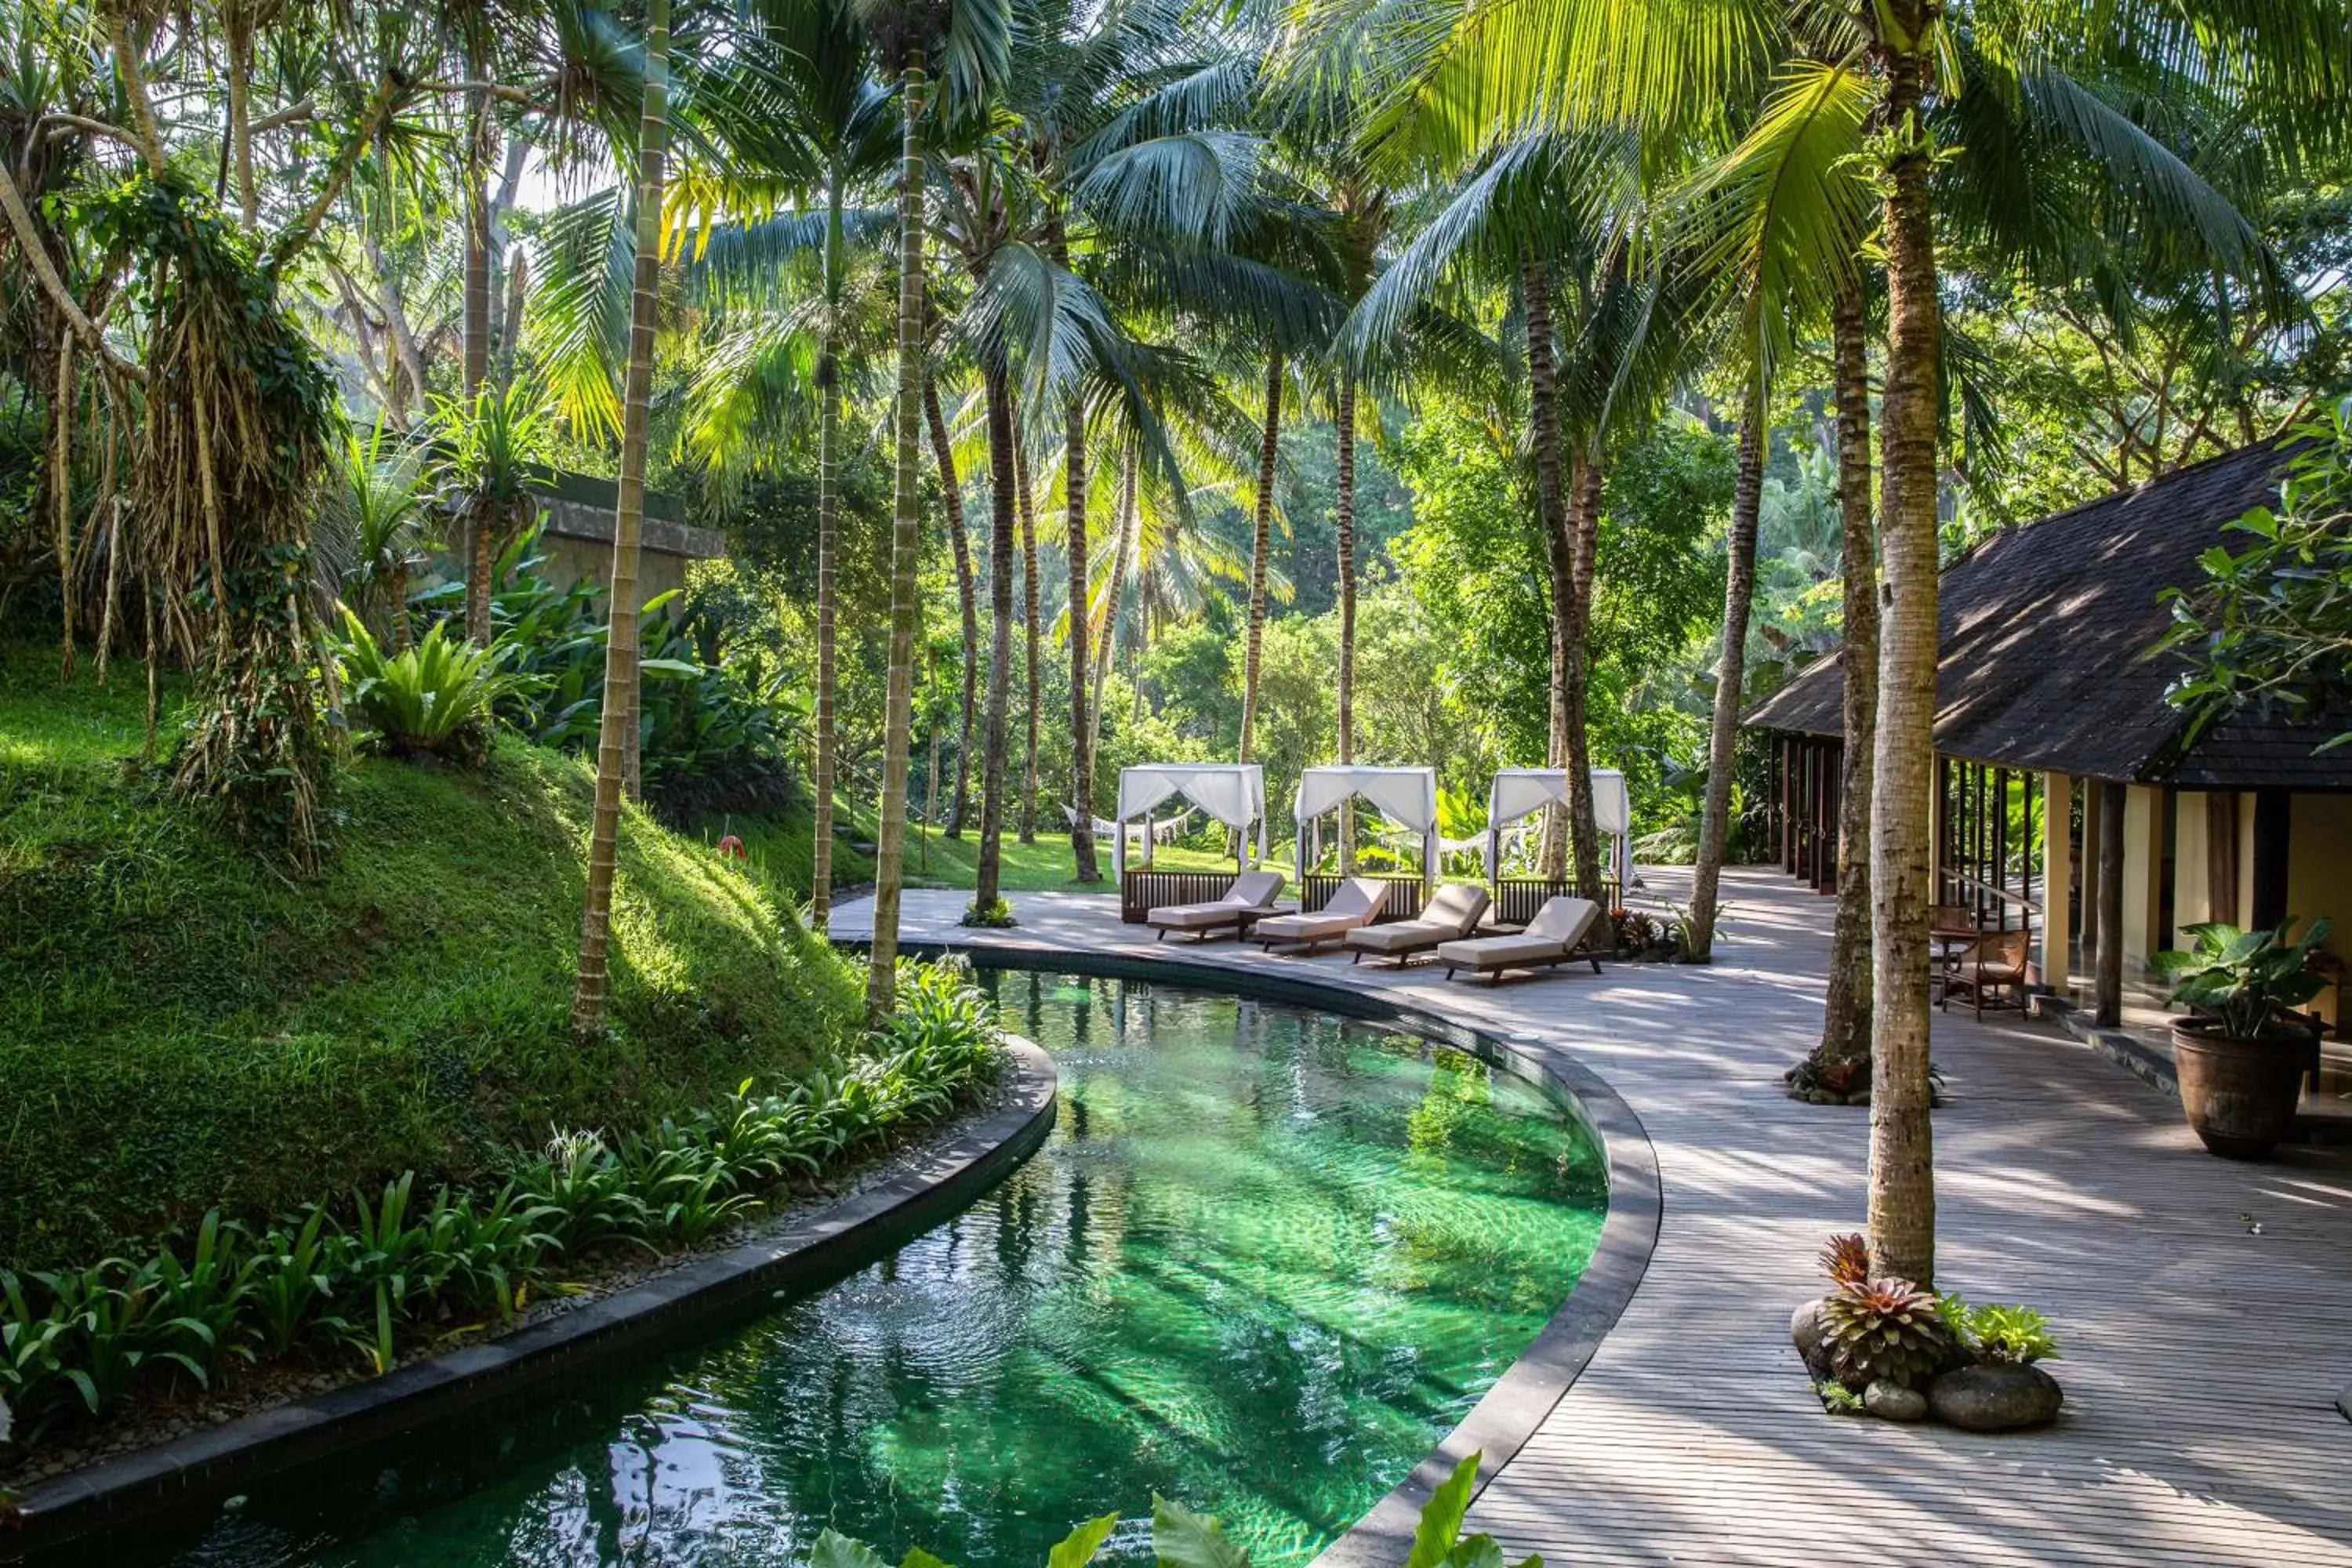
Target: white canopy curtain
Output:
{"points": [[1408, 795], [1521, 792], [1233, 793]]}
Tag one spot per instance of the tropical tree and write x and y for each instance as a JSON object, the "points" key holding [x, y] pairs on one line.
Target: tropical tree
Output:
{"points": [[619, 714]]}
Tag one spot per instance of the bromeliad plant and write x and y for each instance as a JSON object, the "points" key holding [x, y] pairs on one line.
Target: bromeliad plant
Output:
{"points": [[1884, 1329], [2243, 980]]}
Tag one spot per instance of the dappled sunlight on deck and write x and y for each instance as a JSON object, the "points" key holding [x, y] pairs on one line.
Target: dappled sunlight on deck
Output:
{"points": [[2204, 1308]]}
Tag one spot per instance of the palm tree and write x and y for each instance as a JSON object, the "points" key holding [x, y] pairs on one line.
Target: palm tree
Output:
{"points": [[1569, 61], [381, 510], [890, 840], [628, 521], [967, 603]]}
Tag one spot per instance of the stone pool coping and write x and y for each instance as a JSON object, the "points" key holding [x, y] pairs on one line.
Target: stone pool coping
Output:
{"points": [[1508, 1417], [202, 1468]]}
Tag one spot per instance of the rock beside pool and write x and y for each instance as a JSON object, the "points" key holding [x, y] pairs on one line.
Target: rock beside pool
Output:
{"points": [[1995, 1397], [1811, 1336], [1893, 1401]]}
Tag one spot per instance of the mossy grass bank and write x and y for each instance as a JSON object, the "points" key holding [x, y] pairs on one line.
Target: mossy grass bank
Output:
{"points": [[182, 1027]]}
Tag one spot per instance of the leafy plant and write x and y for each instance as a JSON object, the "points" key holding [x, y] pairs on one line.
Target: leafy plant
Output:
{"points": [[290, 1279], [1837, 1398], [1183, 1538], [437, 699], [997, 916], [2009, 1336], [1846, 1260], [2272, 625], [82, 1341], [2243, 978], [1886, 1329]]}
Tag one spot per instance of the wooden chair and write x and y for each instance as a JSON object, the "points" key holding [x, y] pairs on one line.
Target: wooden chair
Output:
{"points": [[1995, 961]]}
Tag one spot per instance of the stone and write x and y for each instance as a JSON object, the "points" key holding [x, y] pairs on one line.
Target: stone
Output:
{"points": [[1995, 1397], [1805, 1331], [1893, 1401]]}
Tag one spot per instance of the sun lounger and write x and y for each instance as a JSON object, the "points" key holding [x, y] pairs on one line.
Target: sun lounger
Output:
{"points": [[1358, 902], [1452, 914], [1252, 892], [1559, 929]]}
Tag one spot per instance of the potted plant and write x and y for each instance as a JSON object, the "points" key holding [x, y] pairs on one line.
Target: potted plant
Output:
{"points": [[2239, 1063]]}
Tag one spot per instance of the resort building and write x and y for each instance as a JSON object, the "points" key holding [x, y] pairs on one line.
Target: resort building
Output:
{"points": [[2074, 801]]}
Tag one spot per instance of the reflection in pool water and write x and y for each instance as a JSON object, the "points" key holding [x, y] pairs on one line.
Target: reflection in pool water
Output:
{"points": [[1263, 1261]]}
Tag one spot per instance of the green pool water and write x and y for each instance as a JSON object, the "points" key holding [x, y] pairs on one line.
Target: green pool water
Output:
{"points": [[1263, 1261]]}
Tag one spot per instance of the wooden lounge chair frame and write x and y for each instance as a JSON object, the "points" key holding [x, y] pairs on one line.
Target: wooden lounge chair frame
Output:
{"points": [[1583, 950]]}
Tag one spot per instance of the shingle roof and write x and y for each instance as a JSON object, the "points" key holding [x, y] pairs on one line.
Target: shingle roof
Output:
{"points": [[2044, 635]]}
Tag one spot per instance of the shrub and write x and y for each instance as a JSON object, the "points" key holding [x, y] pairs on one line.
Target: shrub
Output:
{"points": [[437, 699], [718, 730]]}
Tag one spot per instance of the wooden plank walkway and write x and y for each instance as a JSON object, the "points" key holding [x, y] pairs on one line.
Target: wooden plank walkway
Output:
{"points": [[2204, 1308]]}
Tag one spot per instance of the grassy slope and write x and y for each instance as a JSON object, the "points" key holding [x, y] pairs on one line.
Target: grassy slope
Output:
{"points": [[179, 1027]]}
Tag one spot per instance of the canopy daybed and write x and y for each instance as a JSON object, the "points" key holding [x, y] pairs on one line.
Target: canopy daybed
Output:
{"points": [[1522, 792], [1409, 796], [1233, 793]]}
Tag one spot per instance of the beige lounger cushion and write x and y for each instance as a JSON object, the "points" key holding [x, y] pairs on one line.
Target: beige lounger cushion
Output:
{"points": [[1452, 914], [1558, 926], [1357, 903], [1195, 917], [1250, 890]]}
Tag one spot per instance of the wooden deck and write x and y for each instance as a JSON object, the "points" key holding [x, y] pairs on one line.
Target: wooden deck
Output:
{"points": [[2205, 1309]]}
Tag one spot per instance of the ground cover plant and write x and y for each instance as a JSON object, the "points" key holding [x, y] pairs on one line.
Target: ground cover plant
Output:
{"points": [[377, 1274]]}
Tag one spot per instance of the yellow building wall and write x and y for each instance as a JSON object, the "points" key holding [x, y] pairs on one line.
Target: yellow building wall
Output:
{"points": [[2193, 895], [2143, 873], [2319, 873]]}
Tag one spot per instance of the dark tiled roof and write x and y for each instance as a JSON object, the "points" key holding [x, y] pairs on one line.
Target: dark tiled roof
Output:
{"points": [[2045, 630]]}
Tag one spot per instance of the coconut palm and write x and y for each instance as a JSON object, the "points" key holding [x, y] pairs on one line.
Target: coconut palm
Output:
{"points": [[1462, 84]]}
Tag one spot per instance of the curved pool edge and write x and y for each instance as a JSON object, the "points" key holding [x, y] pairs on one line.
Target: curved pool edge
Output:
{"points": [[1510, 1413], [202, 1468]]}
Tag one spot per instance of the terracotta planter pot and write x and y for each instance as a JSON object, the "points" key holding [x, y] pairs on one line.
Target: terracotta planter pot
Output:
{"points": [[2240, 1095]]}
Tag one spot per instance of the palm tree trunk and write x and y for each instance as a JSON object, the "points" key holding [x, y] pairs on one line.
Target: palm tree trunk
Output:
{"points": [[1845, 1015], [1576, 671], [1261, 539], [1030, 631], [1344, 516], [1116, 591], [1902, 1218], [1082, 746], [1739, 593], [476, 350], [967, 603], [905, 556], [628, 521], [828, 522], [988, 875], [1559, 544]]}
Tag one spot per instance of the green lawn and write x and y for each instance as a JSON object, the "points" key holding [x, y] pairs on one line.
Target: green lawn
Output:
{"points": [[181, 1025], [779, 847]]}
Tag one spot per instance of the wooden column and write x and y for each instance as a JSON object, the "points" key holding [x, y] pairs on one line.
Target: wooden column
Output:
{"points": [[2108, 1001], [2057, 880]]}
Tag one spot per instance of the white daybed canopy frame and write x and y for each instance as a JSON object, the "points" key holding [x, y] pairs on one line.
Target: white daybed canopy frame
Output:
{"points": [[1408, 795], [1233, 793], [1522, 792]]}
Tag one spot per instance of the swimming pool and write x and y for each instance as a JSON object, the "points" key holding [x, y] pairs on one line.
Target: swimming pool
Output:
{"points": [[1265, 1259]]}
